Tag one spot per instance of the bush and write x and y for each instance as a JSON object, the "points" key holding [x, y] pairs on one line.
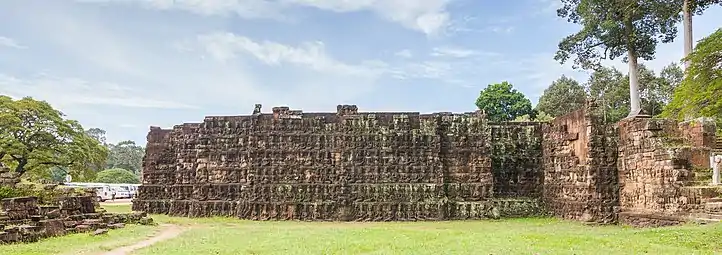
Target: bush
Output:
{"points": [[8, 192], [117, 175]]}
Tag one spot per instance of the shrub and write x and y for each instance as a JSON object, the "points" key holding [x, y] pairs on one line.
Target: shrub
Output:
{"points": [[117, 175]]}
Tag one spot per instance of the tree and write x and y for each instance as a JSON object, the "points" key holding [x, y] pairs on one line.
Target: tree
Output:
{"points": [[608, 87], [700, 94], [689, 8], [35, 137], [501, 102], [672, 75], [565, 95], [613, 28], [656, 91], [126, 155], [97, 134], [117, 175], [540, 116]]}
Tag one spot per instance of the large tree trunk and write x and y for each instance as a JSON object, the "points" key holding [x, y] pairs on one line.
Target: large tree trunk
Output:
{"points": [[634, 104], [20, 168], [687, 22]]}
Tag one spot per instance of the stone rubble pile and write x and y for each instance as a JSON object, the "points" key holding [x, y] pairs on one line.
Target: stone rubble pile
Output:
{"points": [[23, 220]]}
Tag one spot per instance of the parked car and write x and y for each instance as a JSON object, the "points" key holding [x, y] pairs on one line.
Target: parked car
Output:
{"points": [[121, 192], [104, 193]]}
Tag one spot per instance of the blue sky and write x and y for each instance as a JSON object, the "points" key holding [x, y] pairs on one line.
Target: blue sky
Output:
{"points": [[124, 65]]}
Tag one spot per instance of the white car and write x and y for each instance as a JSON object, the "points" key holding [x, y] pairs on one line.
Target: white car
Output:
{"points": [[121, 192], [104, 193]]}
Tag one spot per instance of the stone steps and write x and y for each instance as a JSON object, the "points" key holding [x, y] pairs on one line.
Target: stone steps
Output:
{"points": [[706, 191], [713, 207], [705, 217], [704, 221]]}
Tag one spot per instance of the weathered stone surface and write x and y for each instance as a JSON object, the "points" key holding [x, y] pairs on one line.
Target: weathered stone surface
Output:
{"points": [[8, 178], [345, 165], [20, 208], [580, 173], [101, 231], [657, 169], [28, 222], [649, 219], [361, 166]]}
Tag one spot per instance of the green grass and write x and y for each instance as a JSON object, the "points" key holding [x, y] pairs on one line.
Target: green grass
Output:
{"points": [[520, 236], [515, 236], [83, 243], [116, 208]]}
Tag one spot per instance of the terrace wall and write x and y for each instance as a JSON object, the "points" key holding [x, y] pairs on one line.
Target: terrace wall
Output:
{"points": [[344, 166]]}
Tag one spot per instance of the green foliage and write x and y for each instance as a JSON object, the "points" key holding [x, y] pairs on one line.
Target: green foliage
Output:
{"points": [[614, 28], [126, 155], [97, 134], [610, 89], [35, 137], [9, 192], [698, 6], [700, 94], [540, 116], [656, 91], [117, 175], [501, 102], [44, 194], [565, 95]]}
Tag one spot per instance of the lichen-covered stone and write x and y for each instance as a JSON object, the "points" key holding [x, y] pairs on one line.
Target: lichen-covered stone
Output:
{"points": [[347, 165], [364, 166], [23, 220], [580, 172]]}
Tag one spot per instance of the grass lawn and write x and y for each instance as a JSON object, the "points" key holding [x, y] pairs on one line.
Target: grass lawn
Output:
{"points": [[82, 243], [516, 236]]}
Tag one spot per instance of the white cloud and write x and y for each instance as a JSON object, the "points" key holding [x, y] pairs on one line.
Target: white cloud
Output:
{"points": [[427, 16], [251, 9], [455, 52], [226, 46], [68, 92], [502, 30], [11, 43], [405, 53]]}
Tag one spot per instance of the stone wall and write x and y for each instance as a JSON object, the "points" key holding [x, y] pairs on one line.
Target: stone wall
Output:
{"points": [[8, 178], [343, 166], [580, 173], [657, 163], [348, 165]]}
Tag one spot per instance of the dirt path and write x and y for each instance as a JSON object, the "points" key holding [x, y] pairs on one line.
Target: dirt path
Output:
{"points": [[168, 232]]}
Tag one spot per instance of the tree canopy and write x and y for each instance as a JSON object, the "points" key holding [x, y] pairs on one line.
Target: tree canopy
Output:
{"points": [[616, 28], [501, 102], [563, 96], [611, 29], [117, 175], [36, 137], [700, 93], [609, 88], [656, 90], [97, 134], [126, 155]]}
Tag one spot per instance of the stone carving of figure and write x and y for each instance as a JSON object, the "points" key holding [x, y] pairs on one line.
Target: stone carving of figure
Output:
{"points": [[257, 109]]}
